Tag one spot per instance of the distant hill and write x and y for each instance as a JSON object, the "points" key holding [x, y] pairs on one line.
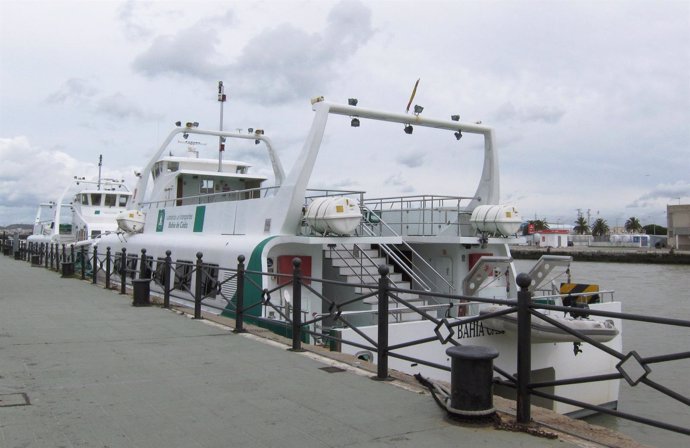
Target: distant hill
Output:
{"points": [[24, 229]]}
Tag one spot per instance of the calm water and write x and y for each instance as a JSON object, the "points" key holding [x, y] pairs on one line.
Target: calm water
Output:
{"points": [[655, 290]]}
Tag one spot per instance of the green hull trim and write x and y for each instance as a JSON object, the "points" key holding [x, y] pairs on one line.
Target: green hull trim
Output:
{"points": [[252, 292]]}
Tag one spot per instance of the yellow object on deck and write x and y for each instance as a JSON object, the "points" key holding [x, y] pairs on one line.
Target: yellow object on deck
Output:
{"points": [[581, 288]]}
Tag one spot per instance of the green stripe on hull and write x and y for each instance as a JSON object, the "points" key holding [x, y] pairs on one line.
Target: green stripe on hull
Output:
{"points": [[252, 292]]}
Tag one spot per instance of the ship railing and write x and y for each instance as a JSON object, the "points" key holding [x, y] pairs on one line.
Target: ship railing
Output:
{"points": [[313, 193], [420, 215], [209, 198], [247, 298]]}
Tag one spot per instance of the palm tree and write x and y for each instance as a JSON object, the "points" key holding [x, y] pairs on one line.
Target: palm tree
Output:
{"points": [[600, 227], [633, 225], [581, 226], [539, 224]]}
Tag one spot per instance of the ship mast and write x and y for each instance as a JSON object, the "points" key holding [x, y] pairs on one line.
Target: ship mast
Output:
{"points": [[221, 139], [100, 164]]}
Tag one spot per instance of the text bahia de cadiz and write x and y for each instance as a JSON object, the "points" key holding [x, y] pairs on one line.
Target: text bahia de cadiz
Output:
{"points": [[475, 330], [179, 221]]}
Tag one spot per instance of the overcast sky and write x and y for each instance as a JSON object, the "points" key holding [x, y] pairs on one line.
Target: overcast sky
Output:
{"points": [[589, 100]]}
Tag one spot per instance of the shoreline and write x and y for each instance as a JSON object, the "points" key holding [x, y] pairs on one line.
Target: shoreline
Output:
{"points": [[604, 254]]}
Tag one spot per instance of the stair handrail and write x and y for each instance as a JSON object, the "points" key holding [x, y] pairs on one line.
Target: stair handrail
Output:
{"points": [[360, 264], [405, 267]]}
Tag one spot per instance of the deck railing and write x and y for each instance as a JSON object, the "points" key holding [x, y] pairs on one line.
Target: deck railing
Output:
{"points": [[191, 283]]}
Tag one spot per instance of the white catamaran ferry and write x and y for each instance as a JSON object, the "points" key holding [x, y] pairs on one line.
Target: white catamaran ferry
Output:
{"points": [[85, 210], [456, 245]]}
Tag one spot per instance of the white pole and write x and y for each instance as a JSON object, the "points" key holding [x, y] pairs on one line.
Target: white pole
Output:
{"points": [[221, 139]]}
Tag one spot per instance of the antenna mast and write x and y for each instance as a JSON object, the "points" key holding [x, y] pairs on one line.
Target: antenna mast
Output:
{"points": [[100, 164], [221, 139]]}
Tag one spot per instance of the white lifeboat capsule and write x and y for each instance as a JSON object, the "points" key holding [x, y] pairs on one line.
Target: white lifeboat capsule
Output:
{"points": [[334, 214], [496, 219]]}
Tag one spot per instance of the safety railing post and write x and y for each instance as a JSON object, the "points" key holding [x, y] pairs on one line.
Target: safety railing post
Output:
{"points": [[123, 272], [94, 266], [239, 312], [107, 267], [83, 262], [382, 345], [296, 305], [143, 267], [197, 286], [166, 279], [64, 253], [524, 354], [71, 253]]}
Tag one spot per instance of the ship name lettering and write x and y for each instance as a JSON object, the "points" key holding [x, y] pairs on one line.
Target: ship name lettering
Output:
{"points": [[475, 330]]}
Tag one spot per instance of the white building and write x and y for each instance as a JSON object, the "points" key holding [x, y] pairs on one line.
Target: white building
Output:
{"points": [[678, 226]]}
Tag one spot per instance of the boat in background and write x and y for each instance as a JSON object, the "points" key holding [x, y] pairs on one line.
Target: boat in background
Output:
{"points": [[436, 244], [85, 210]]}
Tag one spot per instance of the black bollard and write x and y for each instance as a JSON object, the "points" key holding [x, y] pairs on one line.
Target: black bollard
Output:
{"points": [[141, 292], [471, 381]]}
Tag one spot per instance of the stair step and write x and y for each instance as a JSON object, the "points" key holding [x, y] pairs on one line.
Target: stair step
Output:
{"points": [[337, 262], [357, 270], [362, 254], [374, 280]]}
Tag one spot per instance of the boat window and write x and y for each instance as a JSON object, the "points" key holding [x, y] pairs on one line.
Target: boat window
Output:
{"points": [[206, 186], [132, 260], [160, 273], [95, 233], [156, 169], [96, 199], [110, 200], [209, 280], [122, 201], [183, 275], [173, 166], [116, 263], [241, 170], [85, 199]]}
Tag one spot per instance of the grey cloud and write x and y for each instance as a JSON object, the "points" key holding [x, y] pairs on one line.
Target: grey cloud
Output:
{"points": [[412, 160], [277, 66], [129, 14], [544, 113], [189, 53], [286, 63], [118, 106], [666, 192], [87, 95], [73, 90]]}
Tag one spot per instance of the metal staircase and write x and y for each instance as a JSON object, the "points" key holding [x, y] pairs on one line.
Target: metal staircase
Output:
{"points": [[358, 265]]}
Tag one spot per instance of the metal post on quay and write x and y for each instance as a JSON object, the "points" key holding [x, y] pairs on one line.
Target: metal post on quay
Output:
{"points": [[382, 343], [123, 272], [197, 286], [239, 312], [166, 279], [296, 305], [524, 354]]}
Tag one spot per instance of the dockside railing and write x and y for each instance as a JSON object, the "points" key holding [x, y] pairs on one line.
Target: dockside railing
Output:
{"points": [[192, 283]]}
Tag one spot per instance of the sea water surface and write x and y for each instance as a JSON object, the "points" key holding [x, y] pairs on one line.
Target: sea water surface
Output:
{"points": [[653, 290]]}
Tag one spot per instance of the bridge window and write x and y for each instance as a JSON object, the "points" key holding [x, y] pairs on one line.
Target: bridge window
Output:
{"points": [[110, 200], [122, 201], [96, 199], [206, 186]]}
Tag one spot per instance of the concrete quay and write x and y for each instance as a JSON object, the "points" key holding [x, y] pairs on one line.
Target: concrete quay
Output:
{"points": [[611, 254], [81, 367]]}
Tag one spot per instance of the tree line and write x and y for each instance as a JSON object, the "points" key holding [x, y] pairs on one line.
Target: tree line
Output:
{"points": [[600, 227]]}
